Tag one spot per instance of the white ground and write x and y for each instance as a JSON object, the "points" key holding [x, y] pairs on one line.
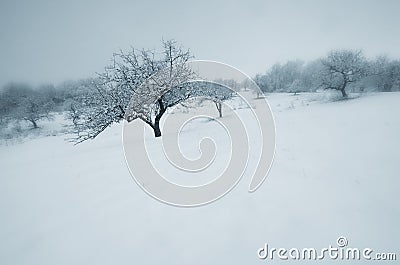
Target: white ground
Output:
{"points": [[336, 173]]}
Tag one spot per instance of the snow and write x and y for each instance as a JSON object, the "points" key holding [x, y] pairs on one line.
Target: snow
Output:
{"points": [[335, 174]]}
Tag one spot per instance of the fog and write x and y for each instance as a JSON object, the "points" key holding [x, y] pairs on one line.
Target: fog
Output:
{"points": [[52, 41]]}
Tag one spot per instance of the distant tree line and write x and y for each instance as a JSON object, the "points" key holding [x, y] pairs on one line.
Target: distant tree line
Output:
{"points": [[20, 102], [341, 70]]}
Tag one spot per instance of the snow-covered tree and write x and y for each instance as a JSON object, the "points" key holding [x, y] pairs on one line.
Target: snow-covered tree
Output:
{"points": [[309, 80], [34, 108], [341, 68], [218, 93], [262, 83], [393, 74], [23, 103], [223, 93], [139, 85], [384, 74], [143, 75]]}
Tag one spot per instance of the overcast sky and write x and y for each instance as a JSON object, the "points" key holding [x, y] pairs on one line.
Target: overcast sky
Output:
{"points": [[52, 41]]}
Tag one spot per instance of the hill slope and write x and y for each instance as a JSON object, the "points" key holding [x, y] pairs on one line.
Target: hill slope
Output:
{"points": [[336, 172]]}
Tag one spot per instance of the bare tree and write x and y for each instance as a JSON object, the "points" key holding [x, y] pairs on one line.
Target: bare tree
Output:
{"points": [[224, 92], [126, 78], [385, 74], [218, 95], [262, 83], [139, 85], [21, 102], [393, 74], [341, 68], [34, 108]]}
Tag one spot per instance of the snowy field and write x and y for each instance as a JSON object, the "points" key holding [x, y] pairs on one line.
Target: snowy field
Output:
{"points": [[335, 173]]}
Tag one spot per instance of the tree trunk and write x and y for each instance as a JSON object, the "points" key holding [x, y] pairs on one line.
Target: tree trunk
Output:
{"points": [[219, 108], [156, 128], [156, 125], [344, 94], [34, 124], [343, 88]]}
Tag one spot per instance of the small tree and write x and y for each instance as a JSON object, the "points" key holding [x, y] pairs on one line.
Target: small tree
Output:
{"points": [[341, 68], [34, 108], [21, 102], [223, 88], [262, 83], [218, 94], [205, 90]]}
